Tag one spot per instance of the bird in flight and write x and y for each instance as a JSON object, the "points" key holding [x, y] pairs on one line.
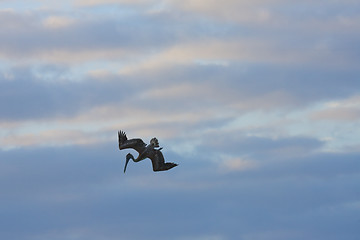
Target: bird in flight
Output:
{"points": [[151, 151]]}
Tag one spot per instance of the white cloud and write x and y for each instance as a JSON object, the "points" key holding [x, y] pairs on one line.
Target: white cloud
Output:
{"points": [[99, 124], [342, 110], [237, 164], [240, 11], [55, 22], [54, 137], [88, 3], [338, 114]]}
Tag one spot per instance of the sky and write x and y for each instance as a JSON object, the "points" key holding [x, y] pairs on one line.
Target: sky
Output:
{"points": [[257, 101]]}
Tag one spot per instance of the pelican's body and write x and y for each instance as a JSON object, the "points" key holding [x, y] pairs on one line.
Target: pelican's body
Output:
{"points": [[145, 151]]}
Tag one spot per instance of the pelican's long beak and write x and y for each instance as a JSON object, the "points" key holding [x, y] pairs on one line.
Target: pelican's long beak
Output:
{"points": [[126, 163]]}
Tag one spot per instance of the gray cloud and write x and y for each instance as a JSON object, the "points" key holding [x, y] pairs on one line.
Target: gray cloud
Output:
{"points": [[252, 83], [238, 143], [28, 97], [28, 35], [82, 191], [203, 93]]}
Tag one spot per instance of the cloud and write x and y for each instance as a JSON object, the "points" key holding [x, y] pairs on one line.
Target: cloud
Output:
{"points": [[262, 12], [26, 96], [198, 98], [259, 148], [32, 36], [49, 137], [338, 114], [254, 11], [238, 164], [236, 49], [141, 41], [96, 199], [342, 110], [92, 3], [58, 22]]}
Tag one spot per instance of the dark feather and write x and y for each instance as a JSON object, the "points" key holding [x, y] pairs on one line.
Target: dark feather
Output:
{"points": [[135, 143], [145, 151], [158, 161]]}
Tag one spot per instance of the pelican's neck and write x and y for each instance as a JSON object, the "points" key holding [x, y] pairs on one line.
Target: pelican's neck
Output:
{"points": [[130, 156]]}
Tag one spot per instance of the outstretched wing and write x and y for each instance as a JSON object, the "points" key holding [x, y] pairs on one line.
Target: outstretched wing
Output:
{"points": [[135, 143]]}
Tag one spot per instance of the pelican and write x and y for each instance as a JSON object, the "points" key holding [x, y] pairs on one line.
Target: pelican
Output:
{"points": [[151, 151]]}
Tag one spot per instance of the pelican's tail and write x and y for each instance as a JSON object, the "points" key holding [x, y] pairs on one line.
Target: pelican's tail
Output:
{"points": [[169, 165], [165, 167]]}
